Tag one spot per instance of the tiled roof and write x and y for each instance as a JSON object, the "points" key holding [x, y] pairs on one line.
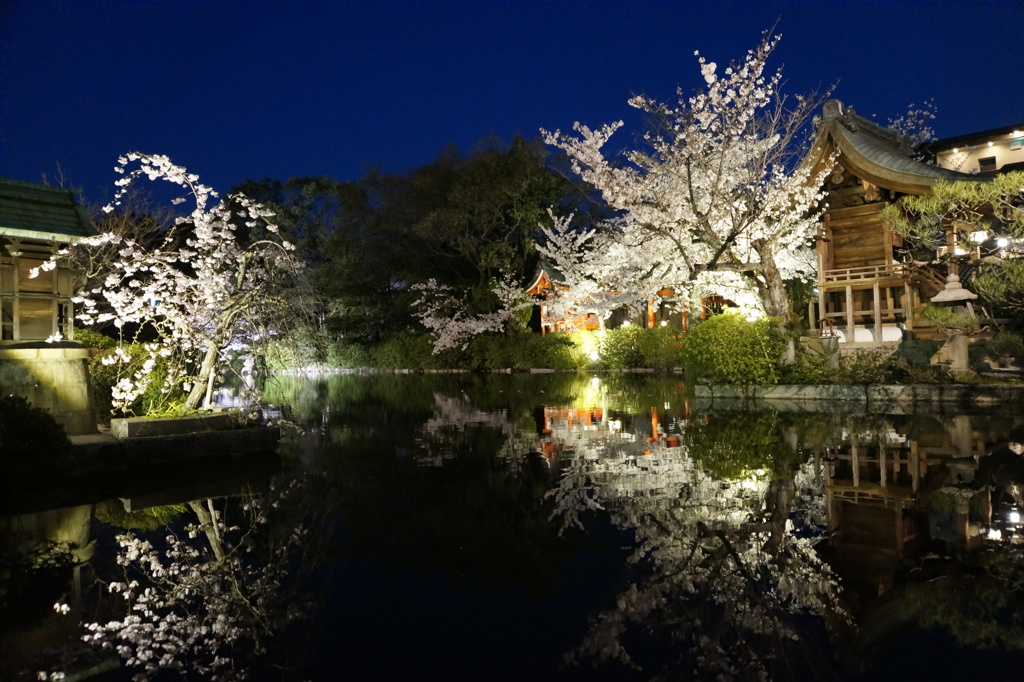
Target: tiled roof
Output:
{"points": [[879, 154], [36, 211]]}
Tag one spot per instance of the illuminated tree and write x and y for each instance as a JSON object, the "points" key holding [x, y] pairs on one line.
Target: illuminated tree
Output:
{"points": [[713, 199], [211, 279]]}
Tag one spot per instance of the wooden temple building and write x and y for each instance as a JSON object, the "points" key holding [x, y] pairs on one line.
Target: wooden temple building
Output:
{"points": [[869, 289]]}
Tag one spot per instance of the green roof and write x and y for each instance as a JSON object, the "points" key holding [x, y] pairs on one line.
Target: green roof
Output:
{"points": [[34, 211]]}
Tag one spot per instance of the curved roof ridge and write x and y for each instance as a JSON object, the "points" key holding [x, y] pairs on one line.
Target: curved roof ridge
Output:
{"points": [[879, 154]]}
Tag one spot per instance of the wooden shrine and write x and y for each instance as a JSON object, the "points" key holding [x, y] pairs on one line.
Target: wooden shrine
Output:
{"points": [[869, 291]]}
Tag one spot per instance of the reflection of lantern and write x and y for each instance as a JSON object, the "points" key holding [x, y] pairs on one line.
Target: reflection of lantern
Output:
{"points": [[1014, 516]]}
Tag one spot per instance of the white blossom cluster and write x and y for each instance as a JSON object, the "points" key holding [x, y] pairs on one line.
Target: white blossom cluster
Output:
{"points": [[446, 313], [916, 124], [713, 194], [201, 287]]}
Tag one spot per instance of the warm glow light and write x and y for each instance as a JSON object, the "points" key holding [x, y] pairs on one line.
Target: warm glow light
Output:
{"points": [[594, 357], [1014, 517], [959, 251], [979, 237], [595, 383], [1002, 242], [989, 144], [955, 150], [664, 323], [994, 534], [626, 323]]}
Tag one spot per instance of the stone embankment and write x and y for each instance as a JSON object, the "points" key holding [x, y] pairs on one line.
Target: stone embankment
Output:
{"points": [[871, 397]]}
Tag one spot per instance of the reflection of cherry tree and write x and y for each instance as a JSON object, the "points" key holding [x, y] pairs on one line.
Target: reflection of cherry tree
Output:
{"points": [[728, 580], [201, 609], [456, 420]]}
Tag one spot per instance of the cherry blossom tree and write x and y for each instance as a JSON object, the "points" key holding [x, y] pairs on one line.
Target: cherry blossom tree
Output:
{"points": [[714, 198], [916, 125], [214, 278], [447, 314]]}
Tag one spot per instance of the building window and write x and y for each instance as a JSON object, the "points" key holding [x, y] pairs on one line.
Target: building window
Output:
{"points": [[1017, 143], [987, 164], [33, 308]]}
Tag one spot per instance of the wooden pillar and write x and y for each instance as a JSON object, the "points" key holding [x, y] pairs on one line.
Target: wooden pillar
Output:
{"points": [[915, 465], [811, 322], [855, 462], [908, 306], [882, 465], [877, 302], [850, 326], [821, 303]]}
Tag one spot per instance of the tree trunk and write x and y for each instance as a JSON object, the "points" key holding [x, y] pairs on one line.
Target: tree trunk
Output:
{"points": [[208, 524], [773, 288], [778, 505], [199, 387]]}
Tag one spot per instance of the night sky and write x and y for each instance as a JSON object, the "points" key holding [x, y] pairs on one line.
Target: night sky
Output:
{"points": [[236, 90]]}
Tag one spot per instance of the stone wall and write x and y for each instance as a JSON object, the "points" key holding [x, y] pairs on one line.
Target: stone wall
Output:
{"points": [[54, 377]]}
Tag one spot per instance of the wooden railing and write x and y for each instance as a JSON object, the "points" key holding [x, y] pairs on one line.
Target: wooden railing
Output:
{"points": [[864, 272]]}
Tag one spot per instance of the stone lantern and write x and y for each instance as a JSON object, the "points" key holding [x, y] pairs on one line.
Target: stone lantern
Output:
{"points": [[954, 295]]}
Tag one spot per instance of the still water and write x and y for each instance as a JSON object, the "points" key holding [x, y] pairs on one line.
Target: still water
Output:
{"points": [[562, 527]]}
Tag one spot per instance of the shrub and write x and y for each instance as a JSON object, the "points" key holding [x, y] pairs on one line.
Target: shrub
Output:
{"points": [[866, 367], [809, 369], [729, 349], [524, 350], [1008, 344], [30, 439], [953, 320], [635, 347], [413, 351], [90, 338], [160, 397], [347, 355]]}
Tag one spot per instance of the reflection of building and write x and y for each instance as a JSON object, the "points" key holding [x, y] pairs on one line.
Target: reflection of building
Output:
{"points": [[886, 493], [35, 221]]}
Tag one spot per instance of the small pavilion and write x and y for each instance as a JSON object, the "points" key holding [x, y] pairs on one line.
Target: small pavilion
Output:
{"points": [[38, 359]]}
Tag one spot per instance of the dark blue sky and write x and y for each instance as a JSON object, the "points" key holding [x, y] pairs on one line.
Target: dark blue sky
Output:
{"points": [[234, 90]]}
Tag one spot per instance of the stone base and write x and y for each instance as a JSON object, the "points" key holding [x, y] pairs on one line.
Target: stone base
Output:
{"points": [[53, 377], [135, 427]]}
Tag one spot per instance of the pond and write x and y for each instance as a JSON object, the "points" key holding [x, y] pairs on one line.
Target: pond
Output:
{"points": [[550, 526]]}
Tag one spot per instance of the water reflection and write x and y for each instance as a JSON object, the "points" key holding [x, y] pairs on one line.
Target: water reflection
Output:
{"points": [[202, 587], [487, 525]]}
